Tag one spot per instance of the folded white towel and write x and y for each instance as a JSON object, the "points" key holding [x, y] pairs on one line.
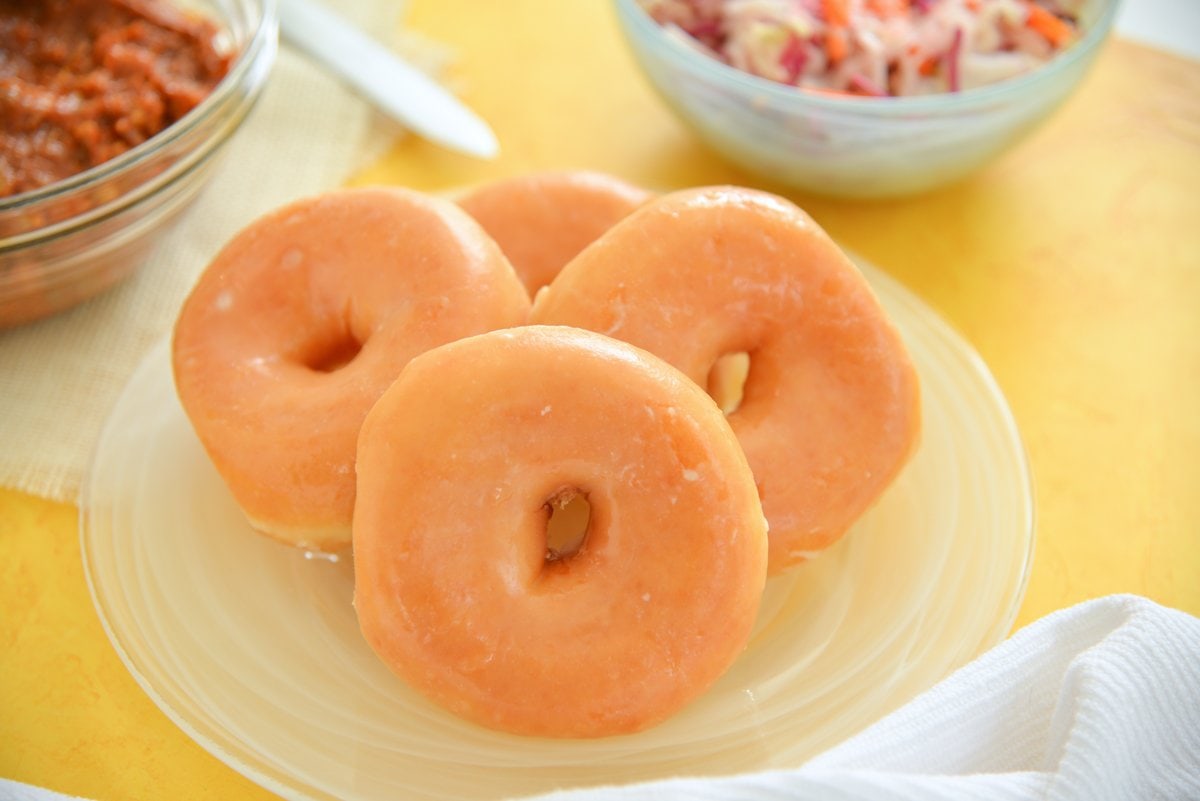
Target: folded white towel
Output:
{"points": [[1099, 701]]}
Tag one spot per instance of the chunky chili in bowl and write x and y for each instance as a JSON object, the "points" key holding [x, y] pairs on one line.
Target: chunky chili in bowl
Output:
{"points": [[83, 81]]}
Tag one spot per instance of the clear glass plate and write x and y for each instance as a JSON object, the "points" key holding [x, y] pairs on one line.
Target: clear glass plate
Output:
{"points": [[253, 649]]}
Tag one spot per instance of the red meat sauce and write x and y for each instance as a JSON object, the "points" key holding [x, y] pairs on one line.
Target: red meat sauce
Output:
{"points": [[82, 81]]}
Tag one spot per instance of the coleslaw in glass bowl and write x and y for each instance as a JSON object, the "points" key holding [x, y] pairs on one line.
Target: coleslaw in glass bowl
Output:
{"points": [[917, 94]]}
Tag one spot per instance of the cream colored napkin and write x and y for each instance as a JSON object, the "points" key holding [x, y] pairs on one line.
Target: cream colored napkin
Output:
{"points": [[59, 377]]}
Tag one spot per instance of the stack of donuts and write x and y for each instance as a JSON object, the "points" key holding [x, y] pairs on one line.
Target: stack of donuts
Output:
{"points": [[438, 383]]}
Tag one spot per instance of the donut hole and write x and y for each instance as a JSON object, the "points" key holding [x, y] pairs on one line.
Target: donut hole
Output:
{"points": [[570, 515], [727, 380], [332, 353]]}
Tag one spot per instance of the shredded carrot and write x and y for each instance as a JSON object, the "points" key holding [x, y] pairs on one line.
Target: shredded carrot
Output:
{"points": [[888, 8], [929, 66], [1054, 30], [837, 13], [836, 44]]}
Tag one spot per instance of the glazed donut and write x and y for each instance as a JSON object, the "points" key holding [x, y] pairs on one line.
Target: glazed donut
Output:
{"points": [[459, 465], [830, 406], [299, 324], [542, 220]]}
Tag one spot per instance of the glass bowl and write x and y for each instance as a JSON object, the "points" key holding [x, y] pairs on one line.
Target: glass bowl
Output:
{"points": [[66, 242], [855, 147]]}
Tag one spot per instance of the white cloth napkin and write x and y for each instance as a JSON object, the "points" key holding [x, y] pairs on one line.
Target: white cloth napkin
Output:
{"points": [[59, 377], [1100, 701]]}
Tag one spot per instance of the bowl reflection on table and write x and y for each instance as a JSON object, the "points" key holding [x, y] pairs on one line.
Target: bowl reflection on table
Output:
{"points": [[66, 242], [855, 146]]}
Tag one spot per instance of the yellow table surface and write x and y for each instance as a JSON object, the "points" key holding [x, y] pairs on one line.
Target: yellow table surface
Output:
{"points": [[1072, 264]]}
